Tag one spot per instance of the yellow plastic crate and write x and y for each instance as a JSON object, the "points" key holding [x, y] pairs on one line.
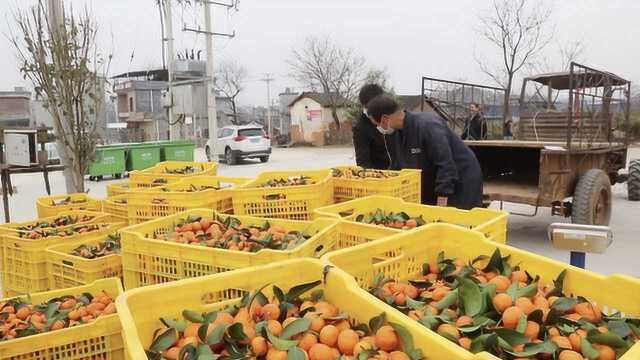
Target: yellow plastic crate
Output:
{"points": [[100, 339], [66, 270], [404, 184], [291, 202], [167, 200], [492, 223], [117, 206], [80, 201], [148, 261], [119, 188], [95, 217], [202, 169], [402, 255], [25, 261], [140, 309]]}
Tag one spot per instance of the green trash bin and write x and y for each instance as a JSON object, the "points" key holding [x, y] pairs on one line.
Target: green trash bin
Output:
{"points": [[110, 160], [142, 156], [180, 150]]}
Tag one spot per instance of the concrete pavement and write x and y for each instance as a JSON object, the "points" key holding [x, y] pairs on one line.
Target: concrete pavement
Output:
{"points": [[524, 232]]}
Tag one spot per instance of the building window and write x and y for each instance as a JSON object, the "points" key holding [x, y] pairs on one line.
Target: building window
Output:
{"points": [[130, 104]]}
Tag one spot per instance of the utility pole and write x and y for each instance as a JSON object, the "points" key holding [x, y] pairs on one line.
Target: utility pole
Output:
{"points": [[210, 73], [174, 127], [268, 79], [212, 116]]}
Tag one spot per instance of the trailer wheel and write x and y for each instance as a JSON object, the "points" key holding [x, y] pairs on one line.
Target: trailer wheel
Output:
{"points": [[633, 182], [592, 199]]}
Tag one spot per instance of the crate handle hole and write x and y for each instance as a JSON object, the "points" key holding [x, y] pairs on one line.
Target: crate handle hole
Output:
{"points": [[319, 248], [273, 197], [347, 212], [67, 262]]}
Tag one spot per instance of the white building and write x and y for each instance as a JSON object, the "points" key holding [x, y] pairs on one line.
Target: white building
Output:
{"points": [[312, 122]]}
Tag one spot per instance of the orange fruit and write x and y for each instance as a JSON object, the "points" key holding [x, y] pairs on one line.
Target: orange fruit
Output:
{"points": [[465, 342], [501, 302], [259, 346], [532, 330], [553, 331], [192, 330], [411, 291], [307, 341], [271, 312], [576, 341], [320, 352], [411, 223], [23, 313], [363, 345], [464, 320], [519, 276], [400, 299], [398, 355], [57, 325], [381, 355], [171, 353], [589, 311], [511, 316], [317, 323], [434, 268], [490, 275], [275, 354], [274, 327], [440, 293], [325, 309], [540, 302], [223, 318], [562, 342], [386, 338], [347, 340], [606, 352], [329, 335], [573, 317], [570, 355], [525, 304], [502, 283], [449, 329], [342, 325]]}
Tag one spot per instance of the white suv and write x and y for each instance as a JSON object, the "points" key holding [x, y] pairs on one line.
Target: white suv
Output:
{"points": [[241, 142]]}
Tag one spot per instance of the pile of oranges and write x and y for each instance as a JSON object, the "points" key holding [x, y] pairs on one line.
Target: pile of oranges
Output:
{"points": [[231, 234], [280, 328], [18, 318], [60, 231], [507, 312], [393, 220], [362, 173]]}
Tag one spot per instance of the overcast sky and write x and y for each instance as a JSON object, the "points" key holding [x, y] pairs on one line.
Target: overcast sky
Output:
{"points": [[409, 38]]}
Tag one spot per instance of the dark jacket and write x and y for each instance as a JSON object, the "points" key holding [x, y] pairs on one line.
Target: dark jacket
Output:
{"points": [[475, 128], [369, 144], [449, 167]]}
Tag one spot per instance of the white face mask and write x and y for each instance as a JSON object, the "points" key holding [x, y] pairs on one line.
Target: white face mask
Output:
{"points": [[384, 131], [364, 111]]}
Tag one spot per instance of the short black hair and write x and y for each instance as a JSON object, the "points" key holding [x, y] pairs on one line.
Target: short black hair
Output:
{"points": [[368, 92], [381, 105]]}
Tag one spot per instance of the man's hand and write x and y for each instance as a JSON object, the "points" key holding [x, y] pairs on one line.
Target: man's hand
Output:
{"points": [[442, 201]]}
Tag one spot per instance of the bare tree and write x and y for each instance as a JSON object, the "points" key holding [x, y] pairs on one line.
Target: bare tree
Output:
{"points": [[520, 30], [336, 71], [230, 79], [566, 54], [63, 63]]}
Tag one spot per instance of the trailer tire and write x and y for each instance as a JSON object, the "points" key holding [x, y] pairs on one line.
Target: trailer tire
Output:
{"points": [[592, 199], [633, 182]]}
